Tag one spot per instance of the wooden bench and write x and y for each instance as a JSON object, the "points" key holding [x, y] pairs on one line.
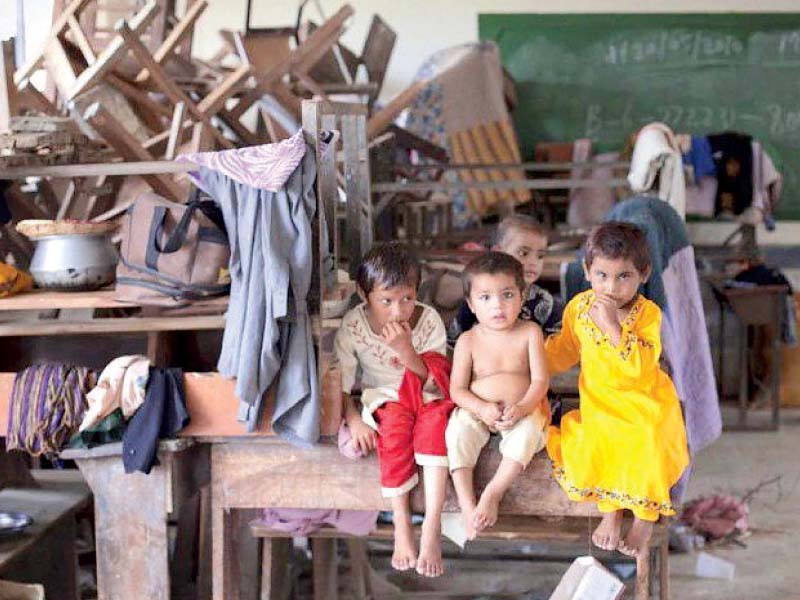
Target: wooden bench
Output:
{"points": [[508, 528], [247, 475], [45, 552]]}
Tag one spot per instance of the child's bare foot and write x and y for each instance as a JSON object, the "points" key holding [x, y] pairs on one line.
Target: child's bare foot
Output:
{"points": [[429, 562], [404, 556], [638, 537], [486, 511], [606, 536], [468, 518]]}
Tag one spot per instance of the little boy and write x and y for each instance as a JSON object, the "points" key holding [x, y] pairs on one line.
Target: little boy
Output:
{"points": [[398, 346], [498, 383], [524, 238]]}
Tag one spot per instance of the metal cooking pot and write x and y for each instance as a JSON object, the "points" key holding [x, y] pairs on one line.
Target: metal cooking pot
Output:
{"points": [[75, 262]]}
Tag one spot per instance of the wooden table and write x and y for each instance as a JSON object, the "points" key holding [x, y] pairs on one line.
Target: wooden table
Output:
{"points": [[132, 513], [45, 552], [258, 473]]}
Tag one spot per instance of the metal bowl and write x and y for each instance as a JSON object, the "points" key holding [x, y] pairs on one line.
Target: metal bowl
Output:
{"points": [[13, 523], [74, 262]]}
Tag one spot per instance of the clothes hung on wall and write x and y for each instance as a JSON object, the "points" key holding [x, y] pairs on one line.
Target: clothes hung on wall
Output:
{"points": [[657, 158], [268, 200]]}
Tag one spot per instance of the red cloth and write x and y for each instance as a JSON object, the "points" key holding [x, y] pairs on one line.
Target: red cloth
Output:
{"points": [[411, 432]]}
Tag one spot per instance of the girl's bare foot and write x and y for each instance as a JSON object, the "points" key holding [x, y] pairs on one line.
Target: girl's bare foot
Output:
{"points": [[429, 562], [404, 556], [486, 511], [606, 536], [637, 539]]}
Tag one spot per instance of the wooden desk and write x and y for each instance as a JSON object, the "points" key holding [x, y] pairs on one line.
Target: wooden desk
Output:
{"points": [[258, 473], [131, 515], [45, 552]]}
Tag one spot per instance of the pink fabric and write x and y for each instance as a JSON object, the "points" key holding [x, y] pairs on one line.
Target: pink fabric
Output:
{"points": [[716, 516], [265, 167], [301, 522], [347, 447]]}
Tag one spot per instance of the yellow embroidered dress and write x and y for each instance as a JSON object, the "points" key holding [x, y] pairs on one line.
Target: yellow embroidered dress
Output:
{"points": [[626, 446]]}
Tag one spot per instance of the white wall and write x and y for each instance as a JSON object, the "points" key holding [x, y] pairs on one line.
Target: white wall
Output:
{"points": [[425, 26]]}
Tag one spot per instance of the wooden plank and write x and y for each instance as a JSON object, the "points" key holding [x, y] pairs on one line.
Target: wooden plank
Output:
{"points": [[175, 130], [111, 326], [9, 103], [58, 66], [481, 144], [216, 100], [528, 184], [488, 197], [113, 52], [33, 98], [45, 300], [139, 95], [319, 42], [130, 149], [377, 52], [143, 167], [275, 576], [499, 145], [79, 37], [325, 568], [380, 120]]}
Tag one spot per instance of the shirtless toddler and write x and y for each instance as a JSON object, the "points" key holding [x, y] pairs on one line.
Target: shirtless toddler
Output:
{"points": [[498, 383]]}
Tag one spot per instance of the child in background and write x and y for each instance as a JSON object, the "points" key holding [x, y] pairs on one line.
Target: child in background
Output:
{"points": [[399, 346], [499, 384], [524, 238], [626, 445]]}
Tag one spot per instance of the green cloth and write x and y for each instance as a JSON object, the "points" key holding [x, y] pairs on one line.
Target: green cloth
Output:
{"points": [[106, 431]]}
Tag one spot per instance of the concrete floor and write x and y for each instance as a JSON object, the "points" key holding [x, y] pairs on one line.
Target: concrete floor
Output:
{"points": [[769, 568]]}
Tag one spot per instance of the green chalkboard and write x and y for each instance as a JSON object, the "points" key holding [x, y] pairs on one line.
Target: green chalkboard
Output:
{"points": [[604, 75]]}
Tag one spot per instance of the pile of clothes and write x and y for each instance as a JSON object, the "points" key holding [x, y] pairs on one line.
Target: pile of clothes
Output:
{"points": [[53, 406], [725, 174]]}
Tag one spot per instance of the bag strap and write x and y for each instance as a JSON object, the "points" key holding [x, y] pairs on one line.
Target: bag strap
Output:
{"points": [[175, 240]]}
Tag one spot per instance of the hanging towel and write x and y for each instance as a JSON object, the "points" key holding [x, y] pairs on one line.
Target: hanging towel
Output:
{"points": [[122, 384], [268, 200], [656, 153]]}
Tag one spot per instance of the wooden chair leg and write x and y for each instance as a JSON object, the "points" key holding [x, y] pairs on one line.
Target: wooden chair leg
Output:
{"points": [[275, 580], [359, 568], [663, 570], [323, 551], [643, 576]]}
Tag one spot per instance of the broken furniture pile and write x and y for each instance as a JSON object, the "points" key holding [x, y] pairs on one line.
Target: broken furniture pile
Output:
{"points": [[132, 92]]}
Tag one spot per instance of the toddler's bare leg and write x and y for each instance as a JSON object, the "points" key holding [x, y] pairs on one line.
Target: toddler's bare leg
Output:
{"points": [[465, 491], [488, 505], [606, 536], [429, 562], [405, 552], [638, 537]]}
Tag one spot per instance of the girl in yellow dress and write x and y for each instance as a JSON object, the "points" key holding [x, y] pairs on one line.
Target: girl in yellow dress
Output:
{"points": [[626, 446]]}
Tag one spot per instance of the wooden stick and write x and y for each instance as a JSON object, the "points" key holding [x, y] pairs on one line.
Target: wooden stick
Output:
{"points": [[175, 131], [129, 148], [100, 326], [80, 39], [528, 184], [384, 117], [9, 104]]}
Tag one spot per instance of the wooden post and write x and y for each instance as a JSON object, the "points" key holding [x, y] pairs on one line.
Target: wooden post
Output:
{"points": [[8, 90]]}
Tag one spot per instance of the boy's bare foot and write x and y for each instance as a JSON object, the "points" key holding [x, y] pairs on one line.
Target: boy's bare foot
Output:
{"points": [[429, 562], [606, 536], [468, 518], [638, 537], [404, 556], [486, 511]]}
